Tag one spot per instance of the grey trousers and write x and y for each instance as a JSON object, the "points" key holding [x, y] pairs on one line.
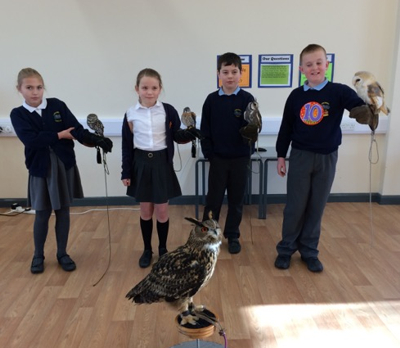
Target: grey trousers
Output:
{"points": [[309, 182]]}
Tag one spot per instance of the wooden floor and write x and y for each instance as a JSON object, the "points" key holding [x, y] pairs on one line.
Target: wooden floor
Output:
{"points": [[354, 302]]}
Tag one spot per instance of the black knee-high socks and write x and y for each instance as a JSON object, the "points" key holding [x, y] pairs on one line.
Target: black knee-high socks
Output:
{"points": [[147, 229], [162, 230]]}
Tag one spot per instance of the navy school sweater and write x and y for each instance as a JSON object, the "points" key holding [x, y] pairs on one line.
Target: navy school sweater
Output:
{"points": [[311, 119], [221, 120], [39, 133]]}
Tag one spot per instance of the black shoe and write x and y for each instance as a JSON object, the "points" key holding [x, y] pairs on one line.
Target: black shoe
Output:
{"points": [[67, 264], [162, 251], [313, 264], [234, 246], [145, 259], [37, 265], [282, 262]]}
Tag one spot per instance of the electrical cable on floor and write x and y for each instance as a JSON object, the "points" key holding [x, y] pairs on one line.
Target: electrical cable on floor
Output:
{"points": [[12, 213], [104, 209]]}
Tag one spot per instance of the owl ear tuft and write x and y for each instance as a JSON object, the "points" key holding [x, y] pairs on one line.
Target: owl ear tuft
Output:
{"points": [[196, 222]]}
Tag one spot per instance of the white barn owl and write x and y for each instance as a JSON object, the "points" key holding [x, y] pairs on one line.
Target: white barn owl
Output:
{"points": [[369, 90]]}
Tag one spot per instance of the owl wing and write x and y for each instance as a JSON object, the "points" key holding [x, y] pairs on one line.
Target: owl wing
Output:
{"points": [[253, 117], [376, 94], [258, 119], [176, 275]]}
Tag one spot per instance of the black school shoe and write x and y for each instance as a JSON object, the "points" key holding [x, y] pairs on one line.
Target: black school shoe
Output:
{"points": [[37, 265], [313, 264], [234, 246], [67, 264], [145, 259], [282, 261], [162, 251]]}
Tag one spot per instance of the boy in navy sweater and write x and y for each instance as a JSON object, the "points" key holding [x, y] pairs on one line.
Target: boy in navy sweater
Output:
{"points": [[311, 124], [223, 145]]}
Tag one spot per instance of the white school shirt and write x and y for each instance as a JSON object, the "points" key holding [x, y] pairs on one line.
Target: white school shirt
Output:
{"points": [[148, 126]]}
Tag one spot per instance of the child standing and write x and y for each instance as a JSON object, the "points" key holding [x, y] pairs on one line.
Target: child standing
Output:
{"points": [[311, 124], [47, 128], [148, 132], [223, 145]]}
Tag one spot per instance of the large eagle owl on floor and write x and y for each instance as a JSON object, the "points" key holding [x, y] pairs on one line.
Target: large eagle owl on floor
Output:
{"points": [[178, 275]]}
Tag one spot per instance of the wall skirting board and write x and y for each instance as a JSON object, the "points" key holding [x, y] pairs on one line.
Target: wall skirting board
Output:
{"points": [[189, 200]]}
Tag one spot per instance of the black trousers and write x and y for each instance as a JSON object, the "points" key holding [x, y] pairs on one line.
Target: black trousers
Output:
{"points": [[230, 175]]}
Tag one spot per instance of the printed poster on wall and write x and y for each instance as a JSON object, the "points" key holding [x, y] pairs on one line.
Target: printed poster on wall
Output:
{"points": [[329, 71], [245, 80], [275, 70]]}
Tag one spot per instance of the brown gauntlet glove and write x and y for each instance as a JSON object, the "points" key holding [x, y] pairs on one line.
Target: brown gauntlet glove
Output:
{"points": [[364, 114], [249, 133]]}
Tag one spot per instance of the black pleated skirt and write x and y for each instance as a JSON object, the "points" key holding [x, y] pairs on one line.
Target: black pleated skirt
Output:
{"points": [[57, 190], [153, 178]]}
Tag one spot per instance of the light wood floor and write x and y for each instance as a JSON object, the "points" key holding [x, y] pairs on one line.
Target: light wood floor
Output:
{"points": [[354, 302]]}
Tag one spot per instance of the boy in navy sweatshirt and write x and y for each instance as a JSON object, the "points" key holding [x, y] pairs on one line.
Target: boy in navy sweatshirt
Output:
{"points": [[311, 125], [223, 145]]}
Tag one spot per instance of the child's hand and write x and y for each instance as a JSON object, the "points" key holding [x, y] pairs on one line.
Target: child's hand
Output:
{"points": [[66, 134], [281, 167], [126, 182]]}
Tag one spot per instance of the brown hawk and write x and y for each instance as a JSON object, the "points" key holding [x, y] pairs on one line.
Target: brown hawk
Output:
{"points": [[178, 275]]}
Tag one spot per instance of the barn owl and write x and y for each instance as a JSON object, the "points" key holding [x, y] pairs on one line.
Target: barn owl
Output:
{"points": [[369, 90]]}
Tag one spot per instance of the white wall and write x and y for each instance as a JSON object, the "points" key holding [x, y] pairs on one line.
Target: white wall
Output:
{"points": [[89, 53]]}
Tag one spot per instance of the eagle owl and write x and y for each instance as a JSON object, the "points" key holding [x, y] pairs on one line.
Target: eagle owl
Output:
{"points": [[369, 90], [178, 275], [95, 124]]}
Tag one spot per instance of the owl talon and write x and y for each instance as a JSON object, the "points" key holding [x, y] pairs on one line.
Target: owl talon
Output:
{"points": [[188, 318]]}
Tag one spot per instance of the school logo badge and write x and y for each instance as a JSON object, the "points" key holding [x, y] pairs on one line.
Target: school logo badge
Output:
{"points": [[312, 113], [238, 112], [57, 117]]}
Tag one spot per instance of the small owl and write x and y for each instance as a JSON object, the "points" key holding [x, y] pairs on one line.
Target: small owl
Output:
{"points": [[369, 90], [178, 275], [95, 124], [188, 118], [253, 116]]}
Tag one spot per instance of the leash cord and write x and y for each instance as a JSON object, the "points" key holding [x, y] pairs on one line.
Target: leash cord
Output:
{"points": [[106, 172]]}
